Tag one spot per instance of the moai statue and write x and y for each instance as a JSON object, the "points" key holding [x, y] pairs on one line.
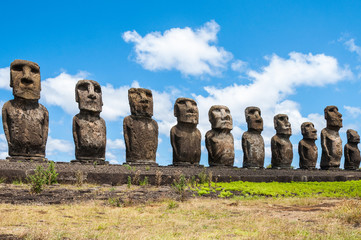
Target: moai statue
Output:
{"points": [[140, 130], [89, 129], [25, 120], [331, 142], [185, 136], [252, 141], [281, 146], [219, 140], [352, 153], [307, 148]]}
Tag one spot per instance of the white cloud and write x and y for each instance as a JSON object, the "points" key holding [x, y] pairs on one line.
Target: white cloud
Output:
{"points": [[55, 146], [269, 89], [189, 51], [353, 111], [5, 78], [115, 144], [60, 91], [239, 66], [352, 47]]}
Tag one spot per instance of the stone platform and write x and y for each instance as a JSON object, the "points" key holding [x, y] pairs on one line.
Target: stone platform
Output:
{"points": [[118, 174]]}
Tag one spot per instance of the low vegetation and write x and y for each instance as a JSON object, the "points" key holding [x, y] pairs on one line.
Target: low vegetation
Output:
{"points": [[250, 190], [42, 177], [197, 218]]}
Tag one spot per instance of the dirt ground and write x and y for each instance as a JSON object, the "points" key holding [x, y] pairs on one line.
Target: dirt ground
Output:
{"points": [[120, 208]]}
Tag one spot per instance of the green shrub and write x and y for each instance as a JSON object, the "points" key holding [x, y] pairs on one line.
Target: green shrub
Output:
{"points": [[51, 174], [180, 186], [37, 180]]}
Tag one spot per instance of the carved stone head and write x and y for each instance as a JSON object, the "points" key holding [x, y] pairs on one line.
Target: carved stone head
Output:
{"points": [[141, 102], [352, 136], [25, 79], [254, 119], [333, 117], [220, 117], [186, 110], [308, 131], [282, 125], [88, 95]]}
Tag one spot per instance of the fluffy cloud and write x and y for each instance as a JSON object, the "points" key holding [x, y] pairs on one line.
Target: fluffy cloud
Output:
{"points": [[239, 66], [115, 144], [189, 51], [54, 146], [269, 88], [59, 91], [353, 111], [5, 78], [352, 47]]}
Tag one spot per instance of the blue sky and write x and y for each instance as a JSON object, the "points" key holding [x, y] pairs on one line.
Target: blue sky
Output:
{"points": [[293, 57]]}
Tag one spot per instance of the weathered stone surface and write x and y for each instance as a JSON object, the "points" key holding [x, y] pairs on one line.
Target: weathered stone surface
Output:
{"points": [[185, 137], [281, 146], [89, 130], [307, 148], [219, 140], [140, 130], [331, 142], [25, 120], [352, 153], [252, 141]]}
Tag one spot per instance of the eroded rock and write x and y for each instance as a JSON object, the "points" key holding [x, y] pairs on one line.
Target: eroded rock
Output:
{"points": [[25, 120], [219, 140], [307, 148], [252, 141], [331, 142], [140, 130], [281, 146], [89, 129], [185, 136], [352, 153]]}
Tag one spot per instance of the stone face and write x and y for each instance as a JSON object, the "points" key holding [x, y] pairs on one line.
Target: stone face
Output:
{"points": [[352, 153], [219, 140], [281, 146], [307, 148], [252, 141], [89, 129], [140, 130], [185, 137], [331, 142], [25, 121]]}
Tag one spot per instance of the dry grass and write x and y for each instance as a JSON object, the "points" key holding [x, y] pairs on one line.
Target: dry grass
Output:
{"points": [[194, 219]]}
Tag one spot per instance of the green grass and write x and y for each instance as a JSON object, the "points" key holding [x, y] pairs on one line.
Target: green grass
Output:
{"points": [[239, 189]]}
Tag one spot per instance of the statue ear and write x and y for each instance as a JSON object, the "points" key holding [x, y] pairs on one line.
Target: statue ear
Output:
{"points": [[11, 80], [76, 95], [176, 110]]}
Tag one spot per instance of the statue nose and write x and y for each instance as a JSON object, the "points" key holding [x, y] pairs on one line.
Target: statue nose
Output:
{"points": [[92, 96], [26, 72]]}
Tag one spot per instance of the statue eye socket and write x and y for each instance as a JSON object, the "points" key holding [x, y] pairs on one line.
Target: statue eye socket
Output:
{"points": [[34, 70], [97, 89], [83, 87], [17, 68], [149, 94]]}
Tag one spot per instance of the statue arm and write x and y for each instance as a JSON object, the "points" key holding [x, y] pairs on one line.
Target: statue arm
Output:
{"points": [[245, 145], [125, 133], [324, 144], [347, 154], [5, 123], [75, 132], [208, 145], [45, 127], [172, 141], [301, 151]]}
